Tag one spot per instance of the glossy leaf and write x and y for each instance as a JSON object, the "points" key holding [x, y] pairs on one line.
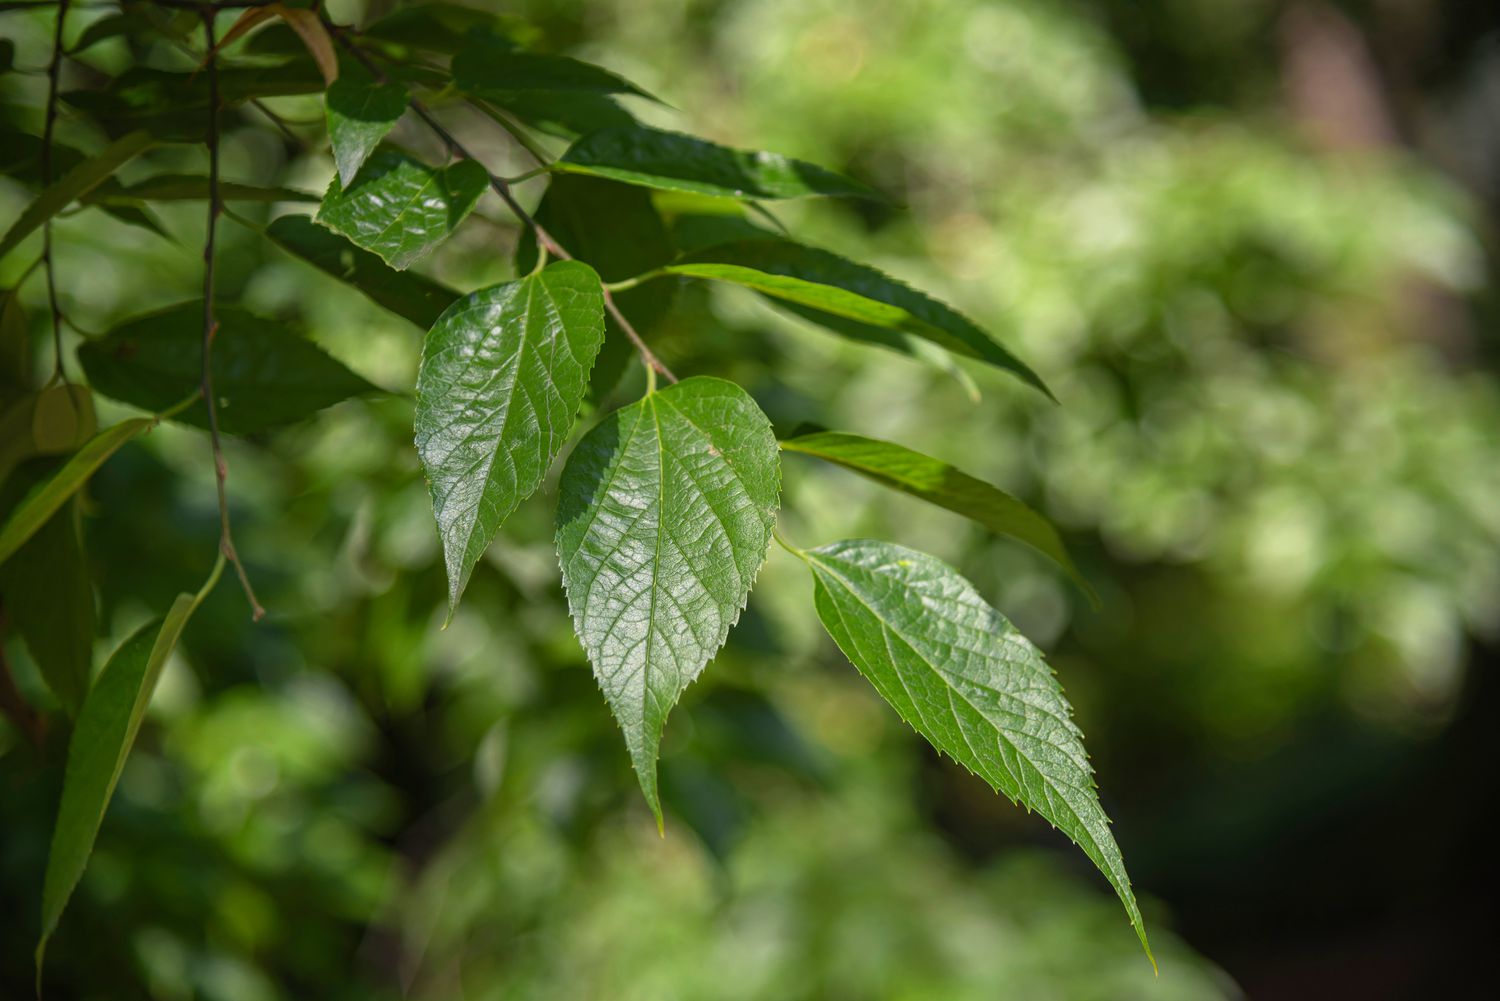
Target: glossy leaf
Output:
{"points": [[401, 209], [502, 375], [101, 741], [50, 601], [936, 482], [961, 675], [405, 293], [73, 185], [664, 516], [46, 497], [361, 112], [675, 162], [826, 282], [264, 375]]}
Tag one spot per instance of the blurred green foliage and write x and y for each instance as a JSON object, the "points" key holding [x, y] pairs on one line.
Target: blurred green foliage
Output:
{"points": [[1275, 455]]}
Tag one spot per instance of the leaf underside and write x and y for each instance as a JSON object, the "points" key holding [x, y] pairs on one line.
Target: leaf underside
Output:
{"points": [[502, 376], [664, 519], [361, 112], [964, 678]]}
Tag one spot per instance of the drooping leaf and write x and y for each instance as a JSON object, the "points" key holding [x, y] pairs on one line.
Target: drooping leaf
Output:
{"points": [[62, 419], [46, 497], [961, 675], [401, 209], [76, 183], [502, 375], [938, 483], [194, 187], [565, 114], [264, 374], [405, 293], [482, 69], [50, 601], [829, 283], [675, 162], [445, 27], [106, 730], [361, 112], [173, 105], [615, 229], [664, 516]]}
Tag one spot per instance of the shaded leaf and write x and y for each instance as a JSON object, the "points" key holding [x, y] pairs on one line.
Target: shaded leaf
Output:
{"points": [[444, 27], [832, 284], [405, 293], [194, 187], [672, 161], [962, 676], [361, 112], [938, 483], [482, 69], [173, 105], [502, 376], [401, 209], [264, 375], [664, 516], [73, 185]]}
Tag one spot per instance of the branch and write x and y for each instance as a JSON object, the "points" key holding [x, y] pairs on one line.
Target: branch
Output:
{"points": [[210, 324], [545, 240], [58, 371]]}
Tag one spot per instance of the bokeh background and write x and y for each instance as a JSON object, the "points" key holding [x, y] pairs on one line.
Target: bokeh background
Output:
{"points": [[1249, 243]]}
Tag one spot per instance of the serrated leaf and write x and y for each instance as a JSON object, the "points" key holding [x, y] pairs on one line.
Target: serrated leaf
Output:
{"points": [[361, 112], [483, 69], [101, 741], [615, 229], [73, 185], [49, 600], [401, 209], [664, 515], [502, 376], [46, 497], [826, 282], [264, 375], [936, 482], [962, 676], [405, 293], [675, 162]]}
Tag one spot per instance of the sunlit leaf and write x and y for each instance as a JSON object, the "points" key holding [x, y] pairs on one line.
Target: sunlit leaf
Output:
{"points": [[664, 516], [962, 676], [502, 375], [401, 209], [361, 112]]}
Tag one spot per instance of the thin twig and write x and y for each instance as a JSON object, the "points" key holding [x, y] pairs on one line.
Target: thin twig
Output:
{"points": [[501, 187], [211, 325], [59, 372]]}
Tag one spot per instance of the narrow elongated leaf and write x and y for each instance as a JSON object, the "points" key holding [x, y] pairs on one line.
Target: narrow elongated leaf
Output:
{"points": [[503, 373], [675, 162], [962, 676], [50, 601], [73, 185], [101, 741], [264, 375], [46, 497], [829, 283], [664, 517], [483, 69], [616, 230], [938, 483], [400, 208], [405, 293], [194, 187], [361, 112]]}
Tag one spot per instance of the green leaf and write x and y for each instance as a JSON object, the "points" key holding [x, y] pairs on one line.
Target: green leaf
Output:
{"points": [[566, 114], [361, 112], [502, 375], [936, 482], [674, 162], [405, 293], [50, 600], [46, 497], [106, 730], [664, 516], [194, 187], [961, 675], [444, 27], [264, 375], [173, 105], [73, 185], [400, 208], [482, 69], [832, 284], [615, 229], [15, 345]]}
